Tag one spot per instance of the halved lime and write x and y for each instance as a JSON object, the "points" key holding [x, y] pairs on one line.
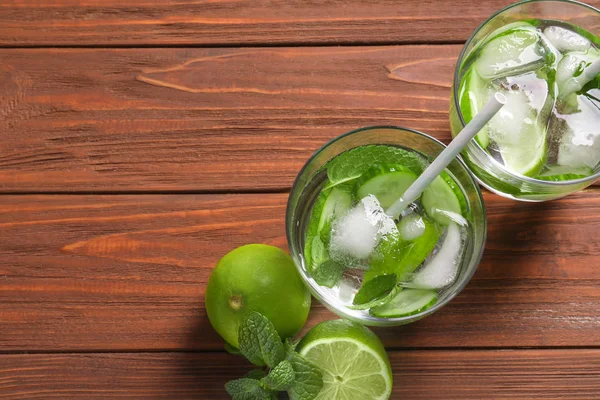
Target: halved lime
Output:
{"points": [[354, 363]]}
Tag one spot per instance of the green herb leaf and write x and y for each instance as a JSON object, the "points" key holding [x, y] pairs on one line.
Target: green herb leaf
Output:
{"points": [[386, 298], [375, 289], [308, 378], [319, 253], [353, 163], [290, 345], [232, 350], [247, 389], [259, 341], [256, 373], [281, 377], [328, 273]]}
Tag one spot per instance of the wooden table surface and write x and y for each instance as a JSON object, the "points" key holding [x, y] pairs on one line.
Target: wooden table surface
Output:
{"points": [[141, 140]]}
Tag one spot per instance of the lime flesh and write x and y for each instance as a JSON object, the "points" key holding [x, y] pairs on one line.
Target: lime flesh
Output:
{"points": [[353, 361]]}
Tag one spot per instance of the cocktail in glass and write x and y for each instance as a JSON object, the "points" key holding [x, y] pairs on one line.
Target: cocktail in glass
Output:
{"points": [[545, 143], [364, 264]]}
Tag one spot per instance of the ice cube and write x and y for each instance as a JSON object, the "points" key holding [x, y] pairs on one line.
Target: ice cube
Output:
{"points": [[580, 144], [411, 227], [516, 115], [441, 270], [517, 131], [355, 235], [511, 53], [570, 72], [347, 288], [565, 40]]}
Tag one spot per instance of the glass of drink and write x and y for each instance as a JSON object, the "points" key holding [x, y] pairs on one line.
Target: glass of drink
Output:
{"points": [[545, 143], [370, 267]]}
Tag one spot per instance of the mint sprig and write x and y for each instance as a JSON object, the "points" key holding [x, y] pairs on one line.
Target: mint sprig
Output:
{"points": [[308, 378], [259, 341], [374, 290], [328, 273], [288, 371], [247, 389], [281, 377]]}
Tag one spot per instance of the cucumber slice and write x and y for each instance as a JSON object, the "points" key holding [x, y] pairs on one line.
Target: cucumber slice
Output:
{"points": [[512, 52], [330, 203], [388, 183], [473, 95], [441, 196], [336, 203], [407, 302]]}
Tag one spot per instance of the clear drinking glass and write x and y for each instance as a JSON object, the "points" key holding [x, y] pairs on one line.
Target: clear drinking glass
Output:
{"points": [[311, 179], [489, 172]]}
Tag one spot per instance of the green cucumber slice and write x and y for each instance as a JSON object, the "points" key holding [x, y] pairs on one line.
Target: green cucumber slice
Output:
{"points": [[407, 302], [387, 182], [336, 203], [512, 52], [330, 203], [440, 197], [473, 94]]}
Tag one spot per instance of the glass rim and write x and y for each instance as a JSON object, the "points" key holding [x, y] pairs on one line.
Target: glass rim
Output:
{"points": [[477, 253], [456, 87]]}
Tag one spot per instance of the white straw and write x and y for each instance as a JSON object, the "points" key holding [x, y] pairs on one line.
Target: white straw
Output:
{"points": [[441, 162]]}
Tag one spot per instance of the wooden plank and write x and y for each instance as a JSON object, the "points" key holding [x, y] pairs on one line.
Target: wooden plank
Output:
{"points": [[460, 375], [188, 22], [129, 272], [192, 119]]}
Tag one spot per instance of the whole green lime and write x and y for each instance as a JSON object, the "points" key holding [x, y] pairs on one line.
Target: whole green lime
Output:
{"points": [[260, 278], [352, 359]]}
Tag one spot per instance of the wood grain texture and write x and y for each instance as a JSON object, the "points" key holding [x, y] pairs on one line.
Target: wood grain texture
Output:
{"points": [[193, 119], [448, 375], [212, 22], [129, 272]]}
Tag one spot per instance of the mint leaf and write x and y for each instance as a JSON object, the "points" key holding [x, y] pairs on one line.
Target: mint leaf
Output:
{"points": [[328, 273], [353, 163], [290, 345], [247, 389], [375, 289], [281, 377], [379, 301], [232, 350], [259, 341], [319, 253], [308, 378], [255, 373]]}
